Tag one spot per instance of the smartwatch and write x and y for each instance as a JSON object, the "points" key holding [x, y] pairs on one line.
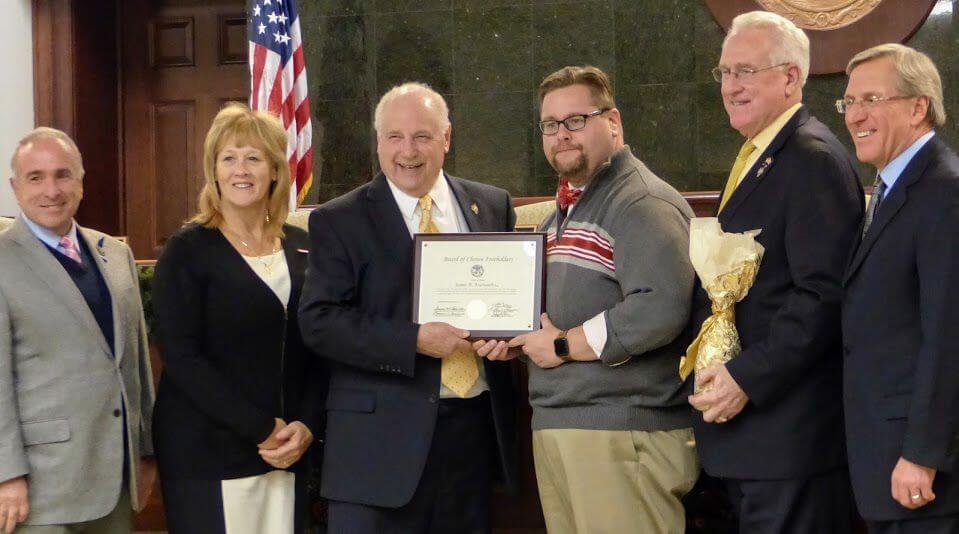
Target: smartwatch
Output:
{"points": [[561, 346]]}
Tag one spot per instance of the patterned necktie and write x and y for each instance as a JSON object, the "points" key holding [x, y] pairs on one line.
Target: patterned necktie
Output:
{"points": [[566, 196], [878, 191], [70, 249], [459, 371], [733, 181]]}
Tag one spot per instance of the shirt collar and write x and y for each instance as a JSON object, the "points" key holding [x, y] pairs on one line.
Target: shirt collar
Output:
{"points": [[763, 139], [49, 238], [440, 193], [893, 170]]}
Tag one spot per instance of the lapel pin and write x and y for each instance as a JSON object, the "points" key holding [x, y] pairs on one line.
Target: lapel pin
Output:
{"points": [[100, 251], [765, 165], [474, 208], [303, 251]]}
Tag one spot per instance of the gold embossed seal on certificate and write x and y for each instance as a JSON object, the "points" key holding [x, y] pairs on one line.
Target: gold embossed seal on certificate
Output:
{"points": [[492, 284]]}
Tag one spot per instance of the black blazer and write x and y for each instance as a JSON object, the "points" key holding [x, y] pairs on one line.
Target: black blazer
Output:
{"points": [[804, 194], [233, 358], [900, 322], [356, 312]]}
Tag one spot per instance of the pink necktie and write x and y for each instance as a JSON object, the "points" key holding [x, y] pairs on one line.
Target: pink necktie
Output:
{"points": [[70, 249]]}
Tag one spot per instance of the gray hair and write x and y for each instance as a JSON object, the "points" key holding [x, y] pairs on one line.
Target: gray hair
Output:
{"points": [[433, 101], [789, 43], [916, 75], [44, 132]]}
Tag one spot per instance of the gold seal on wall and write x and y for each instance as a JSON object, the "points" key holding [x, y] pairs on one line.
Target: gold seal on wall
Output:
{"points": [[821, 14]]}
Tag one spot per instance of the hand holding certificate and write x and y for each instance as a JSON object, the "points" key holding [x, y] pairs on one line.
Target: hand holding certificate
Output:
{"points": [[490, 284]]}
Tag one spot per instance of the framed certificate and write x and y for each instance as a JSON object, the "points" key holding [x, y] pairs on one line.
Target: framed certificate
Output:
{"points": [[492, 284]]}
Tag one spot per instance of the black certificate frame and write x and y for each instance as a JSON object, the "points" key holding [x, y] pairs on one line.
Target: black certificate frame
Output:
{"points": [[539, 292]]}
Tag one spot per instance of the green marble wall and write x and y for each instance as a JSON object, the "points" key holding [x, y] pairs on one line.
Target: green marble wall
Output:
{"points": [[488, 56]]}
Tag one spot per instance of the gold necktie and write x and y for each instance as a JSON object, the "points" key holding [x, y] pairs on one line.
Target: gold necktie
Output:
{"points": [[733, 182], [459, 371]]}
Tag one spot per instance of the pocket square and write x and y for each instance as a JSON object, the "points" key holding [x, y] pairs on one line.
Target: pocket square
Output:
{"points": [[303, 250]]}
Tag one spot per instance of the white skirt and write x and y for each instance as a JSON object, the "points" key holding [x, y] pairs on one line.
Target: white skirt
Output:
{"points": [[258, 504]]}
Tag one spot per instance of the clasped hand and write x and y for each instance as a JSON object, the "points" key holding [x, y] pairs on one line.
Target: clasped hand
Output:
{"points": [[286, 444], [724, 398], [911, 484]]}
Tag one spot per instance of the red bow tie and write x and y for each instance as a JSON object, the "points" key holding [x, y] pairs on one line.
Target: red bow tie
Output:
{"points": [[567, 196]]}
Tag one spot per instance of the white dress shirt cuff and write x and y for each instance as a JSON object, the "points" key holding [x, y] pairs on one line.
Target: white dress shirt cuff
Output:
{"points": [[595, 331]]}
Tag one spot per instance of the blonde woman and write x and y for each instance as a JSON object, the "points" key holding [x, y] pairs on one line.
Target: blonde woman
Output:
{"points": [[240, 397]]}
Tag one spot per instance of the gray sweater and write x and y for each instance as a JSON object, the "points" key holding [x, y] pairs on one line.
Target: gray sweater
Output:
{"points": [[622, 250]]}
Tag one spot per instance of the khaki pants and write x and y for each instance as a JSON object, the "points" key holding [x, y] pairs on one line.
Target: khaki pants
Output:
{"points": [[119, 521], [600, 481]]}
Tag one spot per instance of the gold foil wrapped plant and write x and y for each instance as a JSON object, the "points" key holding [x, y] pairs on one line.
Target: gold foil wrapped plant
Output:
{"points": [[727, 264]]}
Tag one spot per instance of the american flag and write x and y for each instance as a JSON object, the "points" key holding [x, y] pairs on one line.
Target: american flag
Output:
{"points": [[278, 83]]}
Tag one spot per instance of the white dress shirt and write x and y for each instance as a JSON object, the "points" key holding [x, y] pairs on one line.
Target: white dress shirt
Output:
{"points": [[448, 218]]}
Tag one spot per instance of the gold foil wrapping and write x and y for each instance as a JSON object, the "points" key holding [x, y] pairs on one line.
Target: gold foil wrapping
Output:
{"points": [[727, 264]]}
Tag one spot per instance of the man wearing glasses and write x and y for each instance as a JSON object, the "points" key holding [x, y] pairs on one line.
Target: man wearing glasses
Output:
{"points": [[771, 424], [899, 315], [611, 428]]}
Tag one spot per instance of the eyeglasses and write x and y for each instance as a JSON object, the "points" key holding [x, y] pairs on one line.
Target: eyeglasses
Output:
{"points": [[742, 74], [572, 123], [844, 105]]}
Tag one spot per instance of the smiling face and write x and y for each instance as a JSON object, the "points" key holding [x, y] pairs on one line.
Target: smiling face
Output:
{"points": [[576, 155], [753, 103], [244, 175], [885, 129], [48, 184], [412, 143]]}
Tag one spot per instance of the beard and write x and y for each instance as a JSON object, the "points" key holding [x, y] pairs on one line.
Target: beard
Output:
{"points": [[575, 170]]}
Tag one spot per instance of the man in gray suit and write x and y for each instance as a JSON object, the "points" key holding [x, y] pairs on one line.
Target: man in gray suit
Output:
{"points": [[76, 395]]}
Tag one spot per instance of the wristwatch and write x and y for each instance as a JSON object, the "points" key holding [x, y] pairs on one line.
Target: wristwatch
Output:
{"points": [[561, 346]]}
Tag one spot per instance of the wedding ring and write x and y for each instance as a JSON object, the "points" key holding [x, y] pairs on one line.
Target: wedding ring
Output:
{"points": [[721, 419], [915, 496]]}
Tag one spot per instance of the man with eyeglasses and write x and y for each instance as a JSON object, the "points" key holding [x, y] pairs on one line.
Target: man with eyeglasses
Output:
{"points": [[900, 318], [771, 422], [611, 428]]}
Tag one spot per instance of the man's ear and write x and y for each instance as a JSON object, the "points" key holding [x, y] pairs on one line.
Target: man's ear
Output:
{"points": [[920, 111], [793, 82], [615, 122]]}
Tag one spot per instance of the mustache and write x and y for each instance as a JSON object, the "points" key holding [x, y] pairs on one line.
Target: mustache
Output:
{"points": [[559, 148]]}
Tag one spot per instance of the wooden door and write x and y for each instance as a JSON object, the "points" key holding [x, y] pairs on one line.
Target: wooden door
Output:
{"points": [[182, 60]]}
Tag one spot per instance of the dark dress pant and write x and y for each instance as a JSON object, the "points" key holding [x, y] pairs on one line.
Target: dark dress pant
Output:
{"points": [[948, 524], [453, 495], [820, 504]]}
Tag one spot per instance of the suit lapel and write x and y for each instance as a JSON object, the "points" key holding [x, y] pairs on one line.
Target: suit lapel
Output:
{"points": [[48, 269], [891, 205], [762, 166], [295, 260], [469, 206], [109, 278], [387, 219]]}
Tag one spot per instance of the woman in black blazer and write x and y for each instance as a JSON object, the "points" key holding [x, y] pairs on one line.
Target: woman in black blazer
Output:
{"points": [[240, 398]]}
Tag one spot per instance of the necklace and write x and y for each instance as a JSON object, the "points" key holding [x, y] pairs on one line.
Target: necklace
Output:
{"points": [[268, 265]]}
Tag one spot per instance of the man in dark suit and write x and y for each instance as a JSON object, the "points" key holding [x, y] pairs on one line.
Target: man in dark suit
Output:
{"points": [[409, 448], [771, 425], [900, 320]]}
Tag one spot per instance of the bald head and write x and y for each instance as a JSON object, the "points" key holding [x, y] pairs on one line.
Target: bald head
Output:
{"points": [[45, 133], [431, 102]]}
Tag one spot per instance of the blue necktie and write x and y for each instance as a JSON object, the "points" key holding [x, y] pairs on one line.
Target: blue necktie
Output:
{"points": [[878, 192]]}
